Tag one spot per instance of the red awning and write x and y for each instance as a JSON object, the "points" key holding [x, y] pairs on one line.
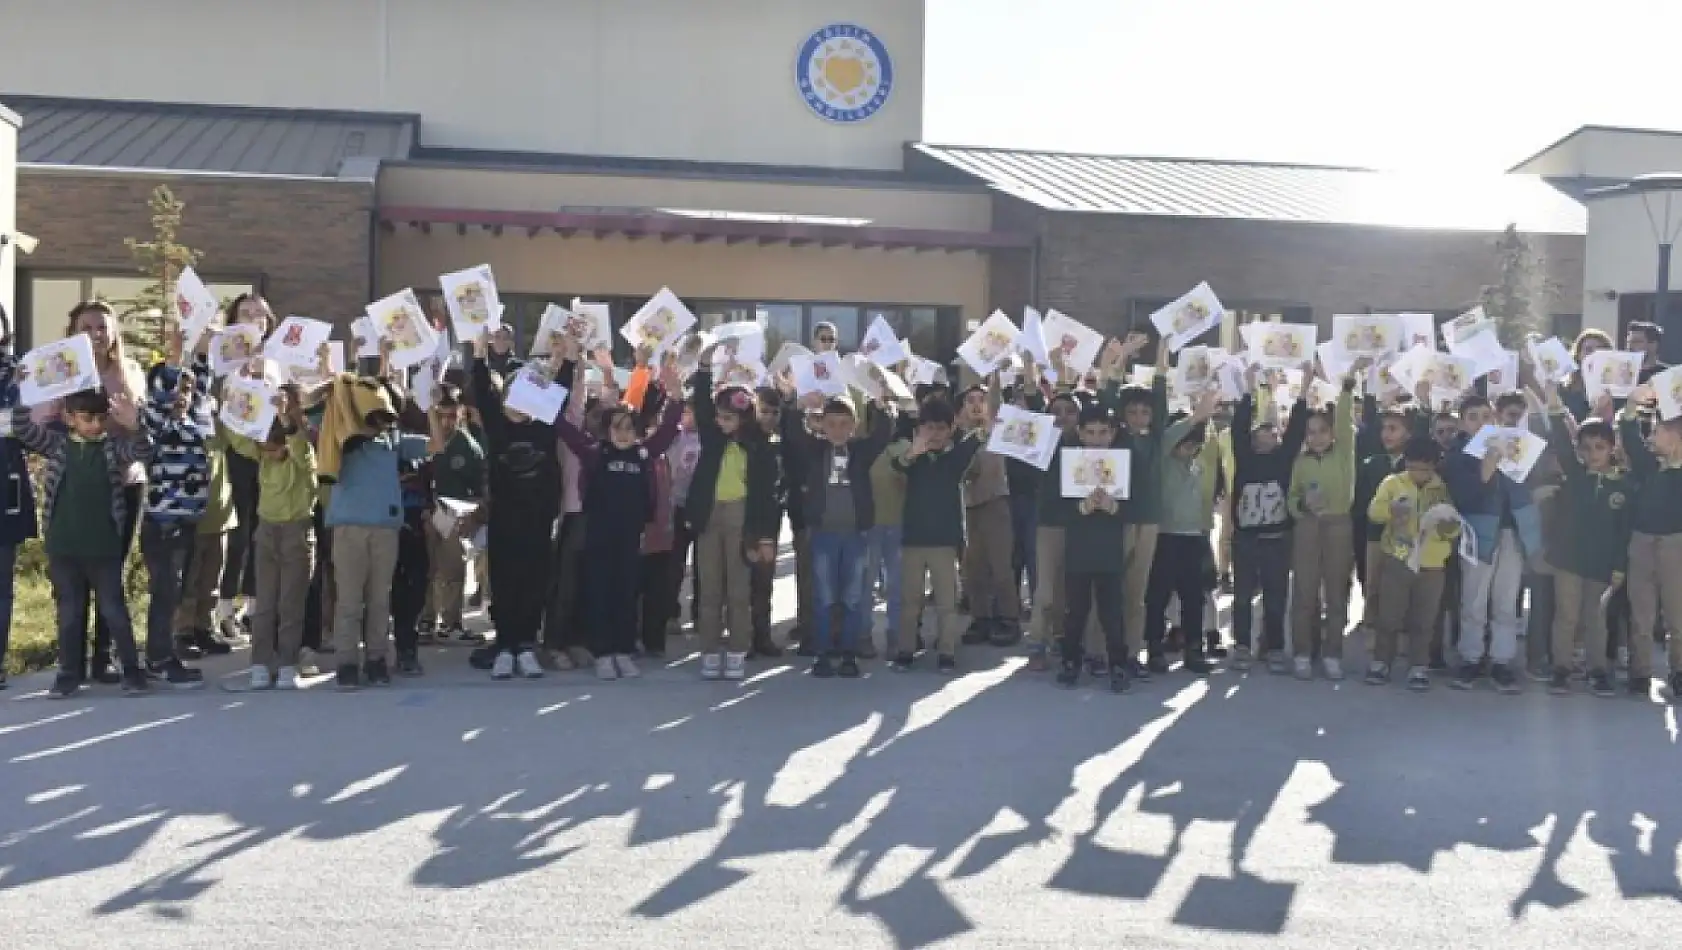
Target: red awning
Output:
{"points": [[670, 227]]}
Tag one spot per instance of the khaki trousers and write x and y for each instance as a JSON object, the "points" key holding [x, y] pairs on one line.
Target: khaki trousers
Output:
{"points": [[284, 561], [1654, 578], [1048, 594], [1410, 606], [1577, 609], [1322, 547], [938, 569], [447, 582], [989, 577], [364, 560], [1139, 552], [199, 586], [724, 584]]}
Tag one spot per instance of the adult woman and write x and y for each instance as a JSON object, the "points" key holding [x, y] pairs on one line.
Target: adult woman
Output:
{"points": [[1573, 393], [238, 571]]}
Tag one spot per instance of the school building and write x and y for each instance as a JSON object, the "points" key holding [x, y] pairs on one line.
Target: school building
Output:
{"points": [[763, 160]]}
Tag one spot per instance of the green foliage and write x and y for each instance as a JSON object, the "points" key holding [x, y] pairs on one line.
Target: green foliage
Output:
{"points": [[147, 316], [1520, 299]]}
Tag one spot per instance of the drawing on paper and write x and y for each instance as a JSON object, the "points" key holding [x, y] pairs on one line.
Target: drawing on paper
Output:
{"points": [[1616, 373], [294, 335], [245, 405], [60, 366], [473, 303], [1022, 432], [1092, 473], [398, 325], [1190, 314], [1282, 345]]}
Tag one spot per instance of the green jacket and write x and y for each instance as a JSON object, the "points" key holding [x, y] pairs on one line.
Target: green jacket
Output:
{"points": [[1144, 504], [1332, 473], [1185, 485], [1593, 512], [934, 494]]}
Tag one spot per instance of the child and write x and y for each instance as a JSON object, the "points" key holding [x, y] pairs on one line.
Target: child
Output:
{"points": [[934, 466], [413, 571], [1052, 518], [1322, 489], [1394, 426], [178, 418], [887, 489], [684, 453], [284, 543], [84, 507], [1093, 570], [459, 473], [1408, 601], [1594, 518], [17, 507], [840, 509], [1261, 548], [995, 599], [1182, 544], [1144, 415], [775, 420], [617, 484], [1655, 547], [733, 508], [1504, 520]]}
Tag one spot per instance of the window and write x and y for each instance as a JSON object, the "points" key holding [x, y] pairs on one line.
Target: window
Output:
{"points": [[48, 298], [784, 323], [846, 320]]}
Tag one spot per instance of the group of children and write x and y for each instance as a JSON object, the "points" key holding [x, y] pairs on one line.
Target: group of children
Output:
{"points": [[362, 513]]}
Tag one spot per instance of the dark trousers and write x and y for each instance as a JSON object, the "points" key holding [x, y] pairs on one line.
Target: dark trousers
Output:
{"points": [[1617, 623], [1260, 564], [167, 549], [1447, 627], [762, 579], [238, 571], [74, 579], [658, 605], [563, 616], [315, 608], [613, 577], [408, 586], [1024, 527], [8, 564], [522, 549], [1539, 623], [134, 497], [1178, 570], [1081, 591], [683, 538], [1358, 536]]}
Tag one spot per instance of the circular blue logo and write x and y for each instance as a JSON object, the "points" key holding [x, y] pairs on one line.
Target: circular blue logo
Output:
{"points": [[844, 73]]}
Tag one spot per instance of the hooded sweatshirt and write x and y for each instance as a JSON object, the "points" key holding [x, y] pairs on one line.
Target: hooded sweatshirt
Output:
{"points": [[1261, 484], [178, 479]]}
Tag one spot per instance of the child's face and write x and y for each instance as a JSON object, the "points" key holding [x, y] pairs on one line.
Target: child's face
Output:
{"points": [[252, 311], [1097, 435], [1137, 416], [450, 419], [1473, 418], [1394, 433], [622, 430], [1264, 440], [1065, 412], [975, 407], [937, 434], [92, 322], [88, 425], [1445, 431], [1420, 473], [838, 427], [1319, 437], [769, 417], [729, 421], [502, 341], [1512, 414], [1596, 453]]}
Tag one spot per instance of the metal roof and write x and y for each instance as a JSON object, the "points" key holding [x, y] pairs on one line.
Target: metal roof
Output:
{"points": [[235, 140], [1201, 188]]}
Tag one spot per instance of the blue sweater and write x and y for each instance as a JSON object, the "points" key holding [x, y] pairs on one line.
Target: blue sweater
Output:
{"points": [[369, 493], [1481, 503]]}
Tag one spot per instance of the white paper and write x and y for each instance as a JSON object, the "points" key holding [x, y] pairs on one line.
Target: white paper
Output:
{"points": [[1417, 330], [990, 345], [1195, 370], [471, 297], [233, 347], [1281, 345], [297, 341], [922, 372], [196, 306], [1428, 523], [1231, 376], [535, 394], [739, 373], [1479, 343], [742, 341], [1614, 372], [1667, 386], [875, 381], [1503, 378], [58, 369], [786, 352], [1518, 449], [881, 345], [819, 373], [1032, 338], [308, 375], [1380, 381], [400, 319], [248, 407], [1079, 344], [587, 323], [1085, 470], [362, 329], [1365, 334], [659, 323], [1448, 375], [1551, 358], [1026, 436], [1471, 319], [1335, 363], [1191, 316]]}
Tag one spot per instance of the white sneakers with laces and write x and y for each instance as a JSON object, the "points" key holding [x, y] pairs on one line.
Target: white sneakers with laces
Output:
{"points": [[503, 667], [626, 665], [735, 666], [605, 670], [260, 678], [711, 666], [1303, 668], [1333, 668], [288, 678], [527, 666]]}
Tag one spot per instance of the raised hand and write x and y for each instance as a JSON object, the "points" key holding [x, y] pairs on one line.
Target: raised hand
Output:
{"points": [[124, 411]]}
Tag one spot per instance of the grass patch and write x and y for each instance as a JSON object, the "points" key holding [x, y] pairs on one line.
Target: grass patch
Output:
{"points": [[35, 618]]}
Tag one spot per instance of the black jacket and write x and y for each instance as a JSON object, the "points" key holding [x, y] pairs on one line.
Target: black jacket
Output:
{"points": [[1262, 483], [814, 454], [934, 494], [764, 469]]}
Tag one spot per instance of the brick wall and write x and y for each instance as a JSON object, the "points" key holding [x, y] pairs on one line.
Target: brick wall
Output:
{"points": [[307, 240], [1091, 266]]}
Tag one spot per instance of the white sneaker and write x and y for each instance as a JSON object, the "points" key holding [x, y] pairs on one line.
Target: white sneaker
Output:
{"points": [[735, 666], [1303, 668], [308, 664], [1333, 668], [288, 678], [503, 668], [711, 664], [605, 670], [260, 678], [528, 666], [626, 666]]}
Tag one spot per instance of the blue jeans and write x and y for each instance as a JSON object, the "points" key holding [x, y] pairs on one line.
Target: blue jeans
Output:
{"points": [[838, 575], [884, 564]]}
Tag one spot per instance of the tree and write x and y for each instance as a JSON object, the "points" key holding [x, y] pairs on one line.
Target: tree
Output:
{"points": [[1519, 300], [147, 316]]}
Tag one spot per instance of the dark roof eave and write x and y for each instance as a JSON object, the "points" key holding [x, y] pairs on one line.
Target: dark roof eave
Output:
{"points": [[413, 119]]}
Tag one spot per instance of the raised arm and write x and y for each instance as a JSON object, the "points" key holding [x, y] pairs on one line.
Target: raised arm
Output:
{"points": [[660, 441], [1296, 429]]}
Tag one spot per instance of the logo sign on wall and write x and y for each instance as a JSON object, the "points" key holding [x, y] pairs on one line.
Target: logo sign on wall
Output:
{"points": [[844, 72]]}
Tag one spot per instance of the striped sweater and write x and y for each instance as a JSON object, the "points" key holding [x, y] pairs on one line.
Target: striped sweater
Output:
{"points": [[122, 450], [178, 477]]}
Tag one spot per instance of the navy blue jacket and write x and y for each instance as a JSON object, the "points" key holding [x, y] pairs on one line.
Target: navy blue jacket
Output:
{"points": [[17, 502]]}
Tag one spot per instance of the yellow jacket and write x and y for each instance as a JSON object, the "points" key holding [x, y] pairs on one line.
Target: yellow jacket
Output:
{"points": [[1399, 535]]}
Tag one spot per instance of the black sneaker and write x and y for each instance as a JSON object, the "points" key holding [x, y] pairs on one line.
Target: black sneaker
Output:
{"points": [[1005, 633], [1120, 682], [461, 634], [1501, 674], [65, 685], [867, 649], [134, 683], [807, 649], [978, 633], [1600, 684], [375, 673], [1466, 677], [1069, 675], [186, 649], [1097, 665], [1213, 647], [482, 658], [947, 665], [2, 679], [105, 674], [349, 677], [1676, 686], [823, 669], [408, 664], [476, 599], [1641, 687], [1559, 683], [1157, 663], [173, 674], [1196, 665], [1437, 664], [210, 644], [903, 661], [1137, 670], [849, 668]]}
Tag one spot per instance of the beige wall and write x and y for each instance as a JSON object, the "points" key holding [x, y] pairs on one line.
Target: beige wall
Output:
{"points": [[8, 212], [540, 191], [1609, 153], [550, 263], [710, 80]]}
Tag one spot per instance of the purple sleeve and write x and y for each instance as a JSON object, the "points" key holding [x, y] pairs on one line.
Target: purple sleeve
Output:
{"points": [[582, 446], [661, 441]]}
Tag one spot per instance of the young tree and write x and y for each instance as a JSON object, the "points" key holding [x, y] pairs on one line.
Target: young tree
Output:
{"points": [[1519, 300], [147, 316]]}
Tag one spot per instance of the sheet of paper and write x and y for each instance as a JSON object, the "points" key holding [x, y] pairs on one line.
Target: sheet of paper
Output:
{"points": [[535, 394], [1231, 376], [1448, 375], [1614, 372], [922, 372], [309, 376], [196, 307], [1479, 343], [1194, 314], [1503, 378], [1195, 369], [297, 342], [400, 319], [1428, 525], [1551, 359], [1335, 363], [1517, 449], [233, 347], [659, 323], [367, 338], [58, 369], [990, 345], [1667, 386], [248, 407], [1380, 381], [1417, 330], [1281, 345], [786, 352], [742, 341], [1086, 470], [1365, 334], [1032, 338], [881, 345], [742, 373], [1472, 319], [819, 373], [1029, 437], [471, 297], [1079, 344]]}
